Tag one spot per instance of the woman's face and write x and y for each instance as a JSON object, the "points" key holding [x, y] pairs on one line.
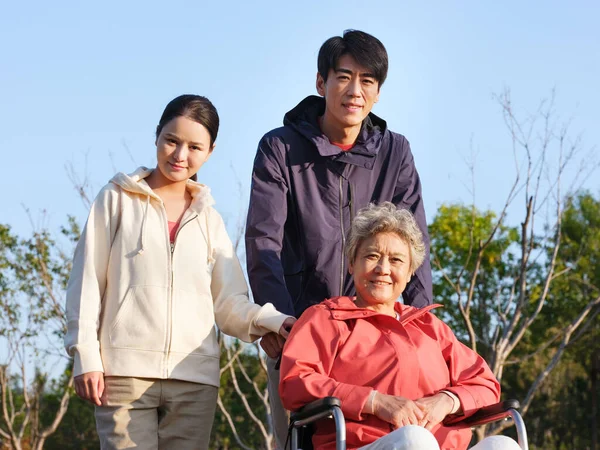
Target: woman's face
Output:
{"points": [[381, 269], [182, 147]]}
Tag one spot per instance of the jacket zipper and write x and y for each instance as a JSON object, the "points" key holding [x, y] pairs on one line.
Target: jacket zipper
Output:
{"points": [[296, 219], [351, 202], [169, 313], [343, 235], [170, 299]]}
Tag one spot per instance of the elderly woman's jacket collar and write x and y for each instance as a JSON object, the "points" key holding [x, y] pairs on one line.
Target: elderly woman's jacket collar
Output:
{"points": [[344, 308]]}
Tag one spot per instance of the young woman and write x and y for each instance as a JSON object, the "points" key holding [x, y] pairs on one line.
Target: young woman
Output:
{"points": [[153, 272]]}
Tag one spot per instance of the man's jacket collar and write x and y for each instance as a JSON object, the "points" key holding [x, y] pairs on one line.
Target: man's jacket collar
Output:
{"points": [[304, 119]]}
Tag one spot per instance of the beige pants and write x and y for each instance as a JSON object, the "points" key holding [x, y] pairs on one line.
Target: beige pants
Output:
{"points": [[280, 415], [153, 414]]}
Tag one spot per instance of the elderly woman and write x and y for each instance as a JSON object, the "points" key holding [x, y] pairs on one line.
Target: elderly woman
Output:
{"points": [[394, 367]]}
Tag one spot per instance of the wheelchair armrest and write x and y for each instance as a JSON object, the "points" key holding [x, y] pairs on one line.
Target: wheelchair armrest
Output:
{"points": [[317, 408], [484, 415]]}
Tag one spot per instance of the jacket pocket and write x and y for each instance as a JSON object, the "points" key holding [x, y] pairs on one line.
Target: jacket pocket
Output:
{"points": [[193, 324], [141, 320]]}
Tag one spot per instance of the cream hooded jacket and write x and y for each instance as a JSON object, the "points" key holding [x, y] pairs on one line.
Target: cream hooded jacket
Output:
{"points": [[139, 306]]}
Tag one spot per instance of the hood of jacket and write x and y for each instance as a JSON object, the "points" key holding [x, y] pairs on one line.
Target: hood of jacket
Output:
{"points": [[135, 183], [304, 119]]}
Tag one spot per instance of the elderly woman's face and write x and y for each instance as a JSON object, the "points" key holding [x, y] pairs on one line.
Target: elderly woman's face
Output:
{"points": [[381, 269]]}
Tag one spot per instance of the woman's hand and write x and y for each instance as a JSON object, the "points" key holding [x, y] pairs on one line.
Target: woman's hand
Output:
{"points": [[90, 386], [435, 409], [398, 411]]}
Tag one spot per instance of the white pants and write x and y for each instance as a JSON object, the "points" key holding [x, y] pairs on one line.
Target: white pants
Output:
{"points": [[413, 437]]}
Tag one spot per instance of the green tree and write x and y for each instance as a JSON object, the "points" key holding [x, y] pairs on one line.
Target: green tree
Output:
{"points": [[33, 277], [567, 408], [500, 281], [456, 233]]}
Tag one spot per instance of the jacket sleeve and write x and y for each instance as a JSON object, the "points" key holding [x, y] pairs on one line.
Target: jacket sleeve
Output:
{"points": [[87, 282], [471, 379], [307, 360], [235, 314], [267, 214], [407, 195]]}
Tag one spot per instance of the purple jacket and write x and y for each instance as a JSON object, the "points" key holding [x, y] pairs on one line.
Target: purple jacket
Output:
{"points": [[305, 192]]}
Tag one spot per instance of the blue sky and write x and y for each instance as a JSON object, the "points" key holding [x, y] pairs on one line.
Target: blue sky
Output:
{"points": [[80, 79]]}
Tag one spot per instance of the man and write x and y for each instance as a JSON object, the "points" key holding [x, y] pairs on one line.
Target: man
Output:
{"points": [[331, 158]]}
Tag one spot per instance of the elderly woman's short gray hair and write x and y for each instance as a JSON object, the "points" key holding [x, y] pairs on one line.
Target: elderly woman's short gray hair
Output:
{"points": [[386, 218]]}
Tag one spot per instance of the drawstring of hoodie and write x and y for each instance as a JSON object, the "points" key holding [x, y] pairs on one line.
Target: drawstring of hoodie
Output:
{"points": [[202, 205], [143, 230]]}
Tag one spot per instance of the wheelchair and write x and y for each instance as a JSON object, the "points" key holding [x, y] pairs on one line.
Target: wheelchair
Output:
{"points": [[327, 407]]}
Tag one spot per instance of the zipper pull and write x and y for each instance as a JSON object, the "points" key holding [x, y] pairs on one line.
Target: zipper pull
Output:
{"points": [[172, 247]]}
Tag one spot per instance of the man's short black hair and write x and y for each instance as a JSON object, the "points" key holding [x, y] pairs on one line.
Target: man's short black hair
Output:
{"points": [[367, 50]]}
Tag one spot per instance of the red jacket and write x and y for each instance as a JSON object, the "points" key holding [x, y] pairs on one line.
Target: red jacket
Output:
{"points": [[338, 349]]}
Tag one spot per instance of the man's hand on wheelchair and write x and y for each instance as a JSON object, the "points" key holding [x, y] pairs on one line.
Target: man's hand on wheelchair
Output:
{"points": [[286, 327], [272, 343]]}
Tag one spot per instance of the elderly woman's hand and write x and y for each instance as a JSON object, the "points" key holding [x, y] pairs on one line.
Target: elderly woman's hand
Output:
{"points": [[398, 411], [435, 409]]}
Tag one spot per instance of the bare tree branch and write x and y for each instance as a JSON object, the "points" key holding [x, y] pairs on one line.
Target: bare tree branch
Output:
{"points": [[231, 424], [249, 409]]}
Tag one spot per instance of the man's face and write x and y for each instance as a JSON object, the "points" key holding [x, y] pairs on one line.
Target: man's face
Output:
{"points": [[350, 93]]}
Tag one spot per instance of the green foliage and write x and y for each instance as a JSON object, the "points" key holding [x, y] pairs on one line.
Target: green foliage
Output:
{"points": [[457, 232], [560, 416], [564, 409], [9, 305], [33, 276], [580, 249], [77, 430]]}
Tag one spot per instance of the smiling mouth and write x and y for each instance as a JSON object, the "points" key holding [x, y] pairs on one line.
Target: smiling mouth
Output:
{"points": [[352, 107], [175, 166], [381, 283]]}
